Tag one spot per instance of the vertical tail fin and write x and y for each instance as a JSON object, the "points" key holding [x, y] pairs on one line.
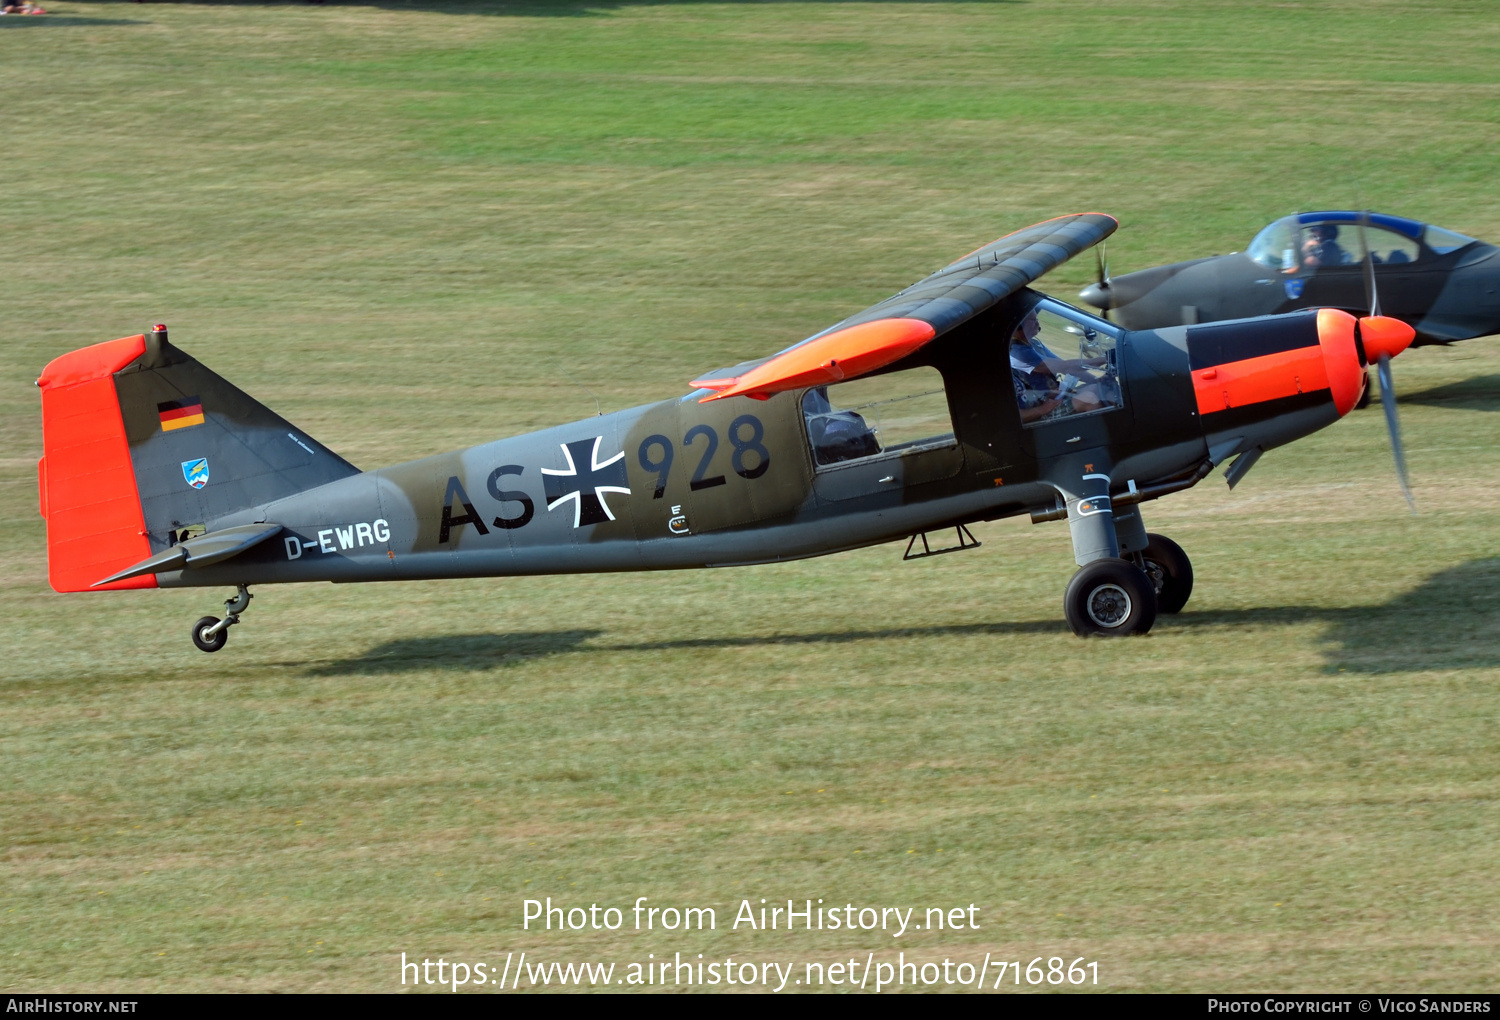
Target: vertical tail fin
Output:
{"points": [[143, 445]]}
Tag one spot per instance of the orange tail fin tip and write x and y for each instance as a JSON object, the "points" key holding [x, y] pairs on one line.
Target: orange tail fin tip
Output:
{"points": [[86, 479]]}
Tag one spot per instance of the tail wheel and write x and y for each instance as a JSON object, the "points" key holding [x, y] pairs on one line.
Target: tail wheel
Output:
{"points": [[1110, 598], [209, 642], [1171, 573]]}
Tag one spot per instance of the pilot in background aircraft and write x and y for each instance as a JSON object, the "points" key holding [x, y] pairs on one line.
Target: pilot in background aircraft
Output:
{"points": [[1445, 285], [1322, 247]]}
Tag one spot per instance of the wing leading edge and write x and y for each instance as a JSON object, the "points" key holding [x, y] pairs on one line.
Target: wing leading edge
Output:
{"points": [[892, 329]]}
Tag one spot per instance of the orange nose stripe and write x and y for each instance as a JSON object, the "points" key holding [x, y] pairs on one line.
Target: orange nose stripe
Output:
{"points": [[1268, 377]]}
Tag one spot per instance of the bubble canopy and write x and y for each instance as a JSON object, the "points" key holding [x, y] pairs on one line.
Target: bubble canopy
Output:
{"points": [[1276, 245]]}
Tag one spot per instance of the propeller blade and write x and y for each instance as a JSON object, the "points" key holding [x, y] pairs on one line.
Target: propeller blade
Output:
{"points": [[1388, 401], [1102, 266], [1372, 299]]}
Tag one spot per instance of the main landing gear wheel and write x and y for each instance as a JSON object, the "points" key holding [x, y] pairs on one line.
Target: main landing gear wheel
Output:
{"points": [[1170, 571], [206, 638], [1110, 598]]}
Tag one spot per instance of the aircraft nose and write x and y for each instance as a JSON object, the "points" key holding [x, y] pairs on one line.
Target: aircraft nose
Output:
{"points": [[1096, 294], [1383, 335]]}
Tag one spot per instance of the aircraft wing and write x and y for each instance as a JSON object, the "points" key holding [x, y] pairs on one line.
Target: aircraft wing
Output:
{"points": [[904, 322]]}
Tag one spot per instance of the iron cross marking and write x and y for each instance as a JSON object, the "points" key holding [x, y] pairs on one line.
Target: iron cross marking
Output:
{"points": [[586, 488]]}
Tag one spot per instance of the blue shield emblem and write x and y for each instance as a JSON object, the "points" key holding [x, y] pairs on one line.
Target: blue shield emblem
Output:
{"points": [[195, 472], [1294, 289]]}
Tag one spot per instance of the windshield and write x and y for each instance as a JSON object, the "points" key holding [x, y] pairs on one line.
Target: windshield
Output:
{"points": [[1275, 247], [1443, 241]]}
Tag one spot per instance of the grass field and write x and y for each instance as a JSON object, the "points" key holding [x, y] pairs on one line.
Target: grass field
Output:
{"points": [[413, 227]]}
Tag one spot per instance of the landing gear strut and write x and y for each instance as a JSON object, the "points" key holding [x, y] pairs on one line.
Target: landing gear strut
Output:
{"points": [[1126, 575], [211, 633]]}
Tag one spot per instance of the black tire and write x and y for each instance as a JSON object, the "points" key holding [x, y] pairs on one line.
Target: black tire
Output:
{"points": [[1110, 598], [209, 644], [1170, 571]]}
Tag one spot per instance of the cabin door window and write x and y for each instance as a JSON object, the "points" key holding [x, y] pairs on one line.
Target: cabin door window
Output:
{"points": [[1062, 366]]}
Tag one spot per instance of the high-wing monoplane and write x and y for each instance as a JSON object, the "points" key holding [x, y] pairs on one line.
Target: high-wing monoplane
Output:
{"points": [[966, 397], [1443, 284]]}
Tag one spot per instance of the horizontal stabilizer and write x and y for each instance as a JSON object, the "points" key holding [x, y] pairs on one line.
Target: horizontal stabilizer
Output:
{"points": [[199, 552]]}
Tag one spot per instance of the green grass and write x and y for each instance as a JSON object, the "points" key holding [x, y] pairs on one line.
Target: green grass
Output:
{"points": [[413, 227]]}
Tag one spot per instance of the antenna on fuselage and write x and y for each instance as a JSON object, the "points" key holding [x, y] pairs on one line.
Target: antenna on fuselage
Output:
{"points": [[598, 408]]}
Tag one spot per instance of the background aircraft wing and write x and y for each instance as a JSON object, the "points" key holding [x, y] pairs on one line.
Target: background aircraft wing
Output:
{"points": [[904, 322]]}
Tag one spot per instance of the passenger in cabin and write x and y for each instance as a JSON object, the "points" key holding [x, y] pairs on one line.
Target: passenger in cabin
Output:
{"points": [[836, 435]]}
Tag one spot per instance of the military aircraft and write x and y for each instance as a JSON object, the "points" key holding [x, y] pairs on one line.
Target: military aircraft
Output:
{"points": [[1445, 285], [966, 397]]}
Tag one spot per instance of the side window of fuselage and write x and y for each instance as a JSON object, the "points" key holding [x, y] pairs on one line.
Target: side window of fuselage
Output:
{"points": [[893, 413], [1062, 367]]}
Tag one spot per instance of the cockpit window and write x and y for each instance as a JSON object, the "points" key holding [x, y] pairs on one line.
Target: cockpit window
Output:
{"points": [[1050, 381], [1292, 246], [1387, 247], [1275, 247], [900, 412], [1443, 241], [1342, 244]]}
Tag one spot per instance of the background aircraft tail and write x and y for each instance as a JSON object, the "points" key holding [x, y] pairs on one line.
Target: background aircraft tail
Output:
{"points": [[144, 447]]}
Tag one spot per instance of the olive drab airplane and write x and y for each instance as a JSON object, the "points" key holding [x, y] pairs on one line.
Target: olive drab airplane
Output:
{"points": [[1445, 285], [966, 397]]}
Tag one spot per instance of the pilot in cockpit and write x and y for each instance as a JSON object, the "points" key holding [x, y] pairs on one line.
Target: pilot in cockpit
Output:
{"points": [[1048, 386], [1321, 247]]}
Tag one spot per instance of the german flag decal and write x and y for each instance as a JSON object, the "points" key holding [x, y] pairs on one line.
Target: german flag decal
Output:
{"points": [[180, 414]]}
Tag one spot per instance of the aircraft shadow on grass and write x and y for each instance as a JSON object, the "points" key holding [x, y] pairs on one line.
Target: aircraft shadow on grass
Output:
{"points": [[489, 651], [1450, 621], [62, 20], [1482, 393], [515, 8]]}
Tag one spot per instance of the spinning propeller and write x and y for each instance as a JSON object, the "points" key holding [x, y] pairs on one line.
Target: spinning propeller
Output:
{"points": [[1101, 261], [1383, 340]]}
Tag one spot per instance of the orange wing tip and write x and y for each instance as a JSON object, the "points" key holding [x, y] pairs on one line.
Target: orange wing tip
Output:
{"points": [[1382, 334], [767, 395], [850, 352], [92, 362]]}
